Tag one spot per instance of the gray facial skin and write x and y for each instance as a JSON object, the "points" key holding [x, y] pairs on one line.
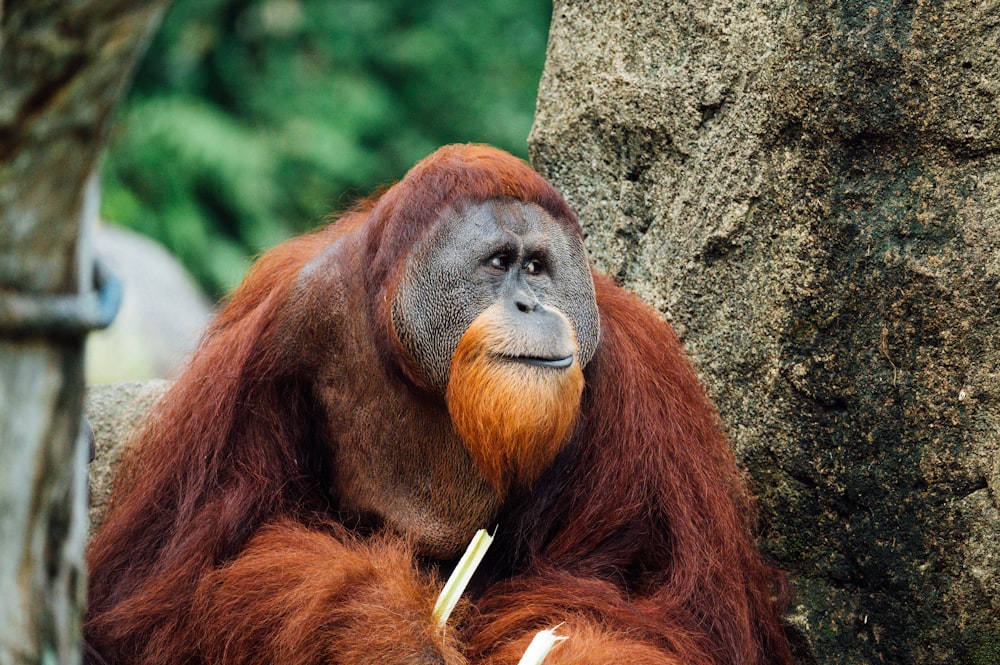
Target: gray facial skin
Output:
{"points": [[501, 250]]}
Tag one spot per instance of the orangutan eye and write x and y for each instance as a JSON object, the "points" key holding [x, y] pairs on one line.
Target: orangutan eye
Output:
{"points": [[533, 267], [499, 261]]}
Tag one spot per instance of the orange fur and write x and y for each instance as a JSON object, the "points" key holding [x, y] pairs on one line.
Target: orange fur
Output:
{"points": [[514, 418], [297, 595], [586, 644], [222, 544]]}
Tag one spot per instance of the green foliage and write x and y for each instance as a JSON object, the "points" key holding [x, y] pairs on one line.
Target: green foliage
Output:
{"points": [[249, 120]]}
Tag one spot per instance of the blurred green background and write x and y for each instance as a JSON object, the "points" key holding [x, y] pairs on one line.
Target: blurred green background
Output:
{"points": [[250, 120]]}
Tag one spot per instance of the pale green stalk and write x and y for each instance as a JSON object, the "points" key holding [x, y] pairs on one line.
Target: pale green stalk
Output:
{"points": [[460, 577]]}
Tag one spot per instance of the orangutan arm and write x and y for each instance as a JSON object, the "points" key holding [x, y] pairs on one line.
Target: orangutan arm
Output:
{"points": [[586, 643], [602, 625], [299, 597]]}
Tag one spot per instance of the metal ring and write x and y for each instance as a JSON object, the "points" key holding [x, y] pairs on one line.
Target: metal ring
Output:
{"points": [[43, 316]]}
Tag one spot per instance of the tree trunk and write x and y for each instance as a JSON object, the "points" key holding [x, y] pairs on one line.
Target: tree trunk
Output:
{"points": [[63, 66], [810, 192]]}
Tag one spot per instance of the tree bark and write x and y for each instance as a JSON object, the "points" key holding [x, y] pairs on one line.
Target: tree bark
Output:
{"points": [[63, 66], [810, 192]]}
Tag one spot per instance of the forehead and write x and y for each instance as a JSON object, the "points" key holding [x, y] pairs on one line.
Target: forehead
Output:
{"points": [[500, 222]]}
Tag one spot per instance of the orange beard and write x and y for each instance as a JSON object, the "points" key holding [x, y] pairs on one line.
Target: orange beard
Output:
{"points": [[513, 417]]}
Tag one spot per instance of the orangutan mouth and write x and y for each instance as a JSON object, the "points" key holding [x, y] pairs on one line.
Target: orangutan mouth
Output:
{"points": [[553, 363]]}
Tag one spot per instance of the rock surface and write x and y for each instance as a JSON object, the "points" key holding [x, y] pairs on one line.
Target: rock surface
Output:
{"points": [[113, 412], [811, 194], [162, 315]]}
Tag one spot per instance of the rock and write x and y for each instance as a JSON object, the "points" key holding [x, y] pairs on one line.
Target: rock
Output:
{"points": [[162, 316], [811, 194], [113, 411]]}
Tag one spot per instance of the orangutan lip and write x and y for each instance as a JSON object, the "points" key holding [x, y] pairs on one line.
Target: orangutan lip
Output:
{"points": [[554, 363]]}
